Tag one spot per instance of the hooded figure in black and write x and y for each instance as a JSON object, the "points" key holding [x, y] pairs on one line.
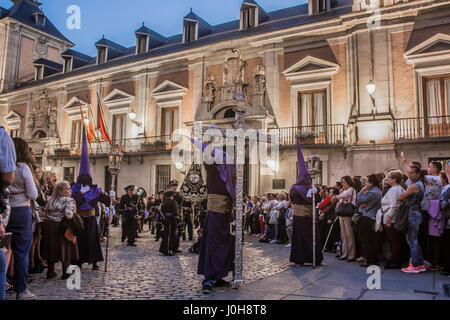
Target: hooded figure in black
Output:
{"points": [[169, 244]]}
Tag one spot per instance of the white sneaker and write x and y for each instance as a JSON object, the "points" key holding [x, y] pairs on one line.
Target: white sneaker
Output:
{"points": [[26, 295], [273, 241], [288, 245]]}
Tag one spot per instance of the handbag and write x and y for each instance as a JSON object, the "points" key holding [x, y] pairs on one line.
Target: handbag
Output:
{"points": [[346, 209], [401, 219]]}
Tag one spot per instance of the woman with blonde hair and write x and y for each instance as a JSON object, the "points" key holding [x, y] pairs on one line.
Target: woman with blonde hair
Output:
{"points": [[58, 244]]}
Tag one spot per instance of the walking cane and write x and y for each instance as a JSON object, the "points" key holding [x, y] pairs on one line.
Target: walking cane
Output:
{"points": [[107, 237], [329, 233], [314, 229]]}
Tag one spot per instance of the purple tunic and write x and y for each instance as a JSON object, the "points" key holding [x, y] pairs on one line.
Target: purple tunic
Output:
{"points": [[217, 245]]}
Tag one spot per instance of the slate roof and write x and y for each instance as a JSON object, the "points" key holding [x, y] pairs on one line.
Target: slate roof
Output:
{"points": [[23, 12], [50, 67], [278, 20]]}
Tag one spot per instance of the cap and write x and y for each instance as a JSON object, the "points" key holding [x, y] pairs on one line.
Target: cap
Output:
{"points": [[173, 183], [130, 187], [168, 194]]}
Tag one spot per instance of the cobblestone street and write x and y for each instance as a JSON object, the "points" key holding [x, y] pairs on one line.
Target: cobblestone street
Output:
{"points": [[142, 273]]}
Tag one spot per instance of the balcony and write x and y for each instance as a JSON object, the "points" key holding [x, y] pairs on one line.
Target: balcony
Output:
{"points": [[322, 135], [419, 129], [129, 146]]}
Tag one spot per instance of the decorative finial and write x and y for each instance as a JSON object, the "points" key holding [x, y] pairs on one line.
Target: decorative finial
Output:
{"points": [[143, 24], [191, 9], [103, 36]]}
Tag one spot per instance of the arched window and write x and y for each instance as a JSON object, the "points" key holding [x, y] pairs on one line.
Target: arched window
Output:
{"points": [[229, 114]]}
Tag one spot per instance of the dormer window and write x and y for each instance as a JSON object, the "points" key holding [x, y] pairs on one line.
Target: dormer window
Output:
{"points": [[39, 18], [190, 33], [39, 75], [68, 64], [248, 18], [141, 44], [101, 55], [319, 6]]}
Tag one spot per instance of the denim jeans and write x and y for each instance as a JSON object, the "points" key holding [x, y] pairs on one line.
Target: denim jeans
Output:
{"points": [[20, 224], [415, 219], [2, 275]]}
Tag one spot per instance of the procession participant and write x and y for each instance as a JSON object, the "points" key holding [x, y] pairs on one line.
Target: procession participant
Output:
{"points": [[129, 204], [159, 220], [301, 195], [193, 191], [173, 185], [87, 195], [168, 207], [217, 246]]}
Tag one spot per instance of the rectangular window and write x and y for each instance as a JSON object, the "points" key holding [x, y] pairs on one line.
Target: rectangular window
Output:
{"points": [[142, 44], [14, 133], [248, 18], [162, 177], [312, 110], [436, 105], [101, 54], [119, 129], [67, 65], [69, 174], [189, 32], [169, 118], [77, 131]]}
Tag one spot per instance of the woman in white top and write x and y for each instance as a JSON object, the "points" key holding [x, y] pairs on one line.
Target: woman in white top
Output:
{"points": [[22, 191], [348, 194], [389, 208]]}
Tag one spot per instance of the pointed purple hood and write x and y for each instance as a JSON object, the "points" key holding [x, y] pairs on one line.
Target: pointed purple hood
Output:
{"points": [[300, 188], [84, 161], [227, 172]]}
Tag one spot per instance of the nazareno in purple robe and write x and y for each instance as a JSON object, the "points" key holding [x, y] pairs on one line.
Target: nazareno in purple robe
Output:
{"points": [[302, 228], [217, 246]]}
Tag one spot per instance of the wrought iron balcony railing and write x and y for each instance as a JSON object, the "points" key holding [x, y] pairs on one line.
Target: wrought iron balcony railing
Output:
{"points": [[134, 145], [420, 128], [330, 134]]}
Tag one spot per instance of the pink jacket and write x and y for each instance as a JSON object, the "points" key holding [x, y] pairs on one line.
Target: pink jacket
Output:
{"points": [[437, 220]]}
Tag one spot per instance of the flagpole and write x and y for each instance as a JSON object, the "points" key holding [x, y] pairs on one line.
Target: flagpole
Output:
{"points": [[84, 124]]}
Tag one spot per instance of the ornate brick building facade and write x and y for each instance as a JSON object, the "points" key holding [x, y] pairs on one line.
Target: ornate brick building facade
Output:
{"points": [[359, 81]]}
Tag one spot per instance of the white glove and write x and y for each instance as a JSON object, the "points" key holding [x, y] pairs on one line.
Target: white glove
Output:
{"points": [[310, 192]]}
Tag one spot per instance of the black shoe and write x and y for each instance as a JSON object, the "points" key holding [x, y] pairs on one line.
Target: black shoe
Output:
{"points": [[132, 244], [351, 260], [95, 266], [221, 283], [168, 254], [445, 273], [364, 265], [206, 289], [342, 258], [177, 251], [51, 275]]}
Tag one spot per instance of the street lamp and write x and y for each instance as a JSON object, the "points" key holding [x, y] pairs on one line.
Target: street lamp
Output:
{"points": [[132, 115], [313, 160], [370, 86], [115, 158]]}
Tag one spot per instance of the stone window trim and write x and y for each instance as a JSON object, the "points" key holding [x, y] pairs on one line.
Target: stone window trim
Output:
{"points": [[153, 178], [190, 30], [102, 54], [427, 64], [68, 64], [39, 73], [249, 16], [13, 121], [118, 102], [72, 110], [142, 43], [160, 106]]}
